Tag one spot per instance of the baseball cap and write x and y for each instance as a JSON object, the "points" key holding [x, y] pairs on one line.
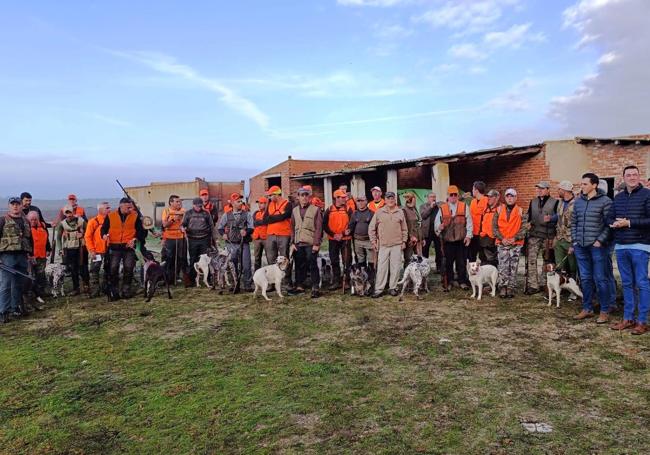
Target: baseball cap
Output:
{"points": [[67, 209], [543, 184], [493, 193], [375, 188], [274, 190], [452, 189], [362, 197], [304, 190], [14, 200], [390, 194], [72, 196], [409, 195], [511, 191], [565, 185], [340, 193], [197, 201], [262, 200], [204, 192], [235, 196]]}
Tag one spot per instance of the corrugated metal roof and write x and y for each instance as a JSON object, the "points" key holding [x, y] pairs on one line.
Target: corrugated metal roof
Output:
{"points": [[624, 140]]}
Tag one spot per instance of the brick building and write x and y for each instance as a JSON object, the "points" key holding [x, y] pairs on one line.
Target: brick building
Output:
{"points": [[153, 198], [500, 168], [281, 174]]}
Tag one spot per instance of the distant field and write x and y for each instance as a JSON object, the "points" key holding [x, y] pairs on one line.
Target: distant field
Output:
{"points": [[212, 374]]}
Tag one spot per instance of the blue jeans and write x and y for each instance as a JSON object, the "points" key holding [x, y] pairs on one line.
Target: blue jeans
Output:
{"points": [[592, 263], [11, 286], [633, 266]]}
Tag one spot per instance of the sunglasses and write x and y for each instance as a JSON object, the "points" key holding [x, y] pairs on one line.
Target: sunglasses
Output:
{"points": [[453, 194]]}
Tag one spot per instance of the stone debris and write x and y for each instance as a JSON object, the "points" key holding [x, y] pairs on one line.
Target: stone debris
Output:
{"points": [[537, 427]]}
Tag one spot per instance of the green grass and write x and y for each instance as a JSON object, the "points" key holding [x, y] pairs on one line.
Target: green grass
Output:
{"points": [[205, 373]]}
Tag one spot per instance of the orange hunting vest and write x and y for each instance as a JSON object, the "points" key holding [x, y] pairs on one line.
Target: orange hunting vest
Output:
{"points": [[283, 227], [509, 227], [121, 232], [173, 231], [486, 225], [338, 220], [374, 206], [477, 209], [259, 233], [39, 237]]}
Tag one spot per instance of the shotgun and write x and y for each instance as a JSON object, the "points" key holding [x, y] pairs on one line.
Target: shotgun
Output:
{"points": [[240, 267], [13, 271]]}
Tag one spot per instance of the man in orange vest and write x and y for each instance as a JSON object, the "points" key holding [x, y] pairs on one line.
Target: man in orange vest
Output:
{"points": [[477, 208], [377, 201], [174, 241], [277, 218], [454, 226], [208, 205], [259, 231], [336, 221], [38, 259], [121, 229], [98, 250], [486, 240], [509, 226]]}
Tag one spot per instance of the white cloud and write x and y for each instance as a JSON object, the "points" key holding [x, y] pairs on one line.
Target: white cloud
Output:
{"points": [[470, 15], [515, 99], [389, 37], [380, 3], [467, 51], [514, 37], [615, 99], [168, 65]]}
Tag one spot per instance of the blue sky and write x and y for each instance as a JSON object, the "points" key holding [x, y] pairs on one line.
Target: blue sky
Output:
{"points": [[172, 90]]}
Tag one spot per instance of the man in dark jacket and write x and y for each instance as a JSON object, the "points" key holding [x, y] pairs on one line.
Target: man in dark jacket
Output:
{"points": [[26, 201], [630, 222], [359, 222], [199, 228], [236, 228], [589, 234], [428, 212], [414, 226], [540, 235]]}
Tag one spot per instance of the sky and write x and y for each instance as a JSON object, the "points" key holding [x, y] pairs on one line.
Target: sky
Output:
{"points": [[149, 91]]}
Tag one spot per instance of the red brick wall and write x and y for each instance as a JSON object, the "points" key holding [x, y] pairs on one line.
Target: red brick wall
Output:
{"points": [[609, 160], [414, 177]]}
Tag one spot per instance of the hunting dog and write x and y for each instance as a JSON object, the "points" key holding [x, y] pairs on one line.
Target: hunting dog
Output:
{"points": [[359, 280], [416, 273], [202, 268], [480, 275], [324, 269], [154, 274], [222, 269], [55, 274], [555, 282], [273, 273]]}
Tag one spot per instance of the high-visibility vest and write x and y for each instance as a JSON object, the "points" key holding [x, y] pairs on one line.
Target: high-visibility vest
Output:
{"points": [[173, 231], [477, 210], [338, 221], [283, 227], [374, 206], [39, 237], [259, 232], [121, 232], [508, 227], [486, 223], [351, 205], [93, 235], [455, 227]]}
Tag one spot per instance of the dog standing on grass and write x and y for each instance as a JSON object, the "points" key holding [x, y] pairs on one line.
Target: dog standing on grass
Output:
{"points": [[416, 273], [556, 282], [274, 274], [154, 274], [482, 274]]}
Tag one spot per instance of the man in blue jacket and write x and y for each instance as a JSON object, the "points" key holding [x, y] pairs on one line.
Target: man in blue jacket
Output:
{"points": [[630, 221], [589, 234]]}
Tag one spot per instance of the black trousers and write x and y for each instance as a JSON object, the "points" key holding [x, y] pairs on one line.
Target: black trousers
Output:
{"points": [[127, 258], [77, 260], [436, 246], [197, 247], [474, 248], [175, 253], [456, 253], [340, 250], [305, 260]]}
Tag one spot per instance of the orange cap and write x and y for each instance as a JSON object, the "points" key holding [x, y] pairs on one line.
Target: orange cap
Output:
{"points": [[262, 200], [204, 192], [71, 196], [452, 189], [274, 190], [340, 193], [235, 197]]}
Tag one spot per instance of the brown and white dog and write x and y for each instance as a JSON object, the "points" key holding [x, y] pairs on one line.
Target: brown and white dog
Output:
{"points": [[556, 282], [273, 273]]}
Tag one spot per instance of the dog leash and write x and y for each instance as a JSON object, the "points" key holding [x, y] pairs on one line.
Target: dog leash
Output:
{"points": [[559, 266]]}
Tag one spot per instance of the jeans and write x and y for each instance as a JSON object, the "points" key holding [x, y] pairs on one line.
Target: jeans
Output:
{"points": [[592, 263], [11, 286], [633, 266], [306, 261], [175, 251], [233, 249]]}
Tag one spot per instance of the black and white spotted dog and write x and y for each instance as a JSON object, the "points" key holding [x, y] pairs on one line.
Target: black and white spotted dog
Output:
{"points": [[415, 273], [222, 269], [55, 274], [324, 269], [360, 280]]}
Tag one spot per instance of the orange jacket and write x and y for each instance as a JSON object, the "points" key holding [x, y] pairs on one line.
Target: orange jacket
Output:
{"points": [[351, 205], [336, 221], [40, 238], [282, 228], [374, 206], [477, 209], [259, 232], [488, 218], [509, 227], [93, 235], [173, 231], [119, 232]]}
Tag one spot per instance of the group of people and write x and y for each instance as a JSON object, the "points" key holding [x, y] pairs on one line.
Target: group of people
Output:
{"points": [[577, 232]]}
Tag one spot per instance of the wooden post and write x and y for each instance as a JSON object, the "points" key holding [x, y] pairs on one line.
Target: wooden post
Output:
{"points": [[357, 186], [391, 180], [440, 180], [327, 189]]}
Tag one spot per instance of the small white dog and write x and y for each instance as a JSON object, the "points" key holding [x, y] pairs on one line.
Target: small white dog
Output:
{"points": [[324, 268], [273, 273], [55, 273], [482, 274], [202, 267], [555, 282], [416, 272]]}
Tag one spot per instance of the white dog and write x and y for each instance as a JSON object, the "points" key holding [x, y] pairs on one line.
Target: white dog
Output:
{"points": [[273, 273], [555, 282], [482, 274], [202, 267], [324, 268], [416, 272], [55, 273]]}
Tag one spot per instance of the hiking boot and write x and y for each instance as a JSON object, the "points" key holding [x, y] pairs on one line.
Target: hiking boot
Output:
{"points": [[334, 286], [640, 329], [295, 291], [4, 318], [126, 293], [623, 325], [531, 291], [315, 294], [503, 292], [584, 314], [464, 287], [393, 292], [376, 295], [603, 318]]}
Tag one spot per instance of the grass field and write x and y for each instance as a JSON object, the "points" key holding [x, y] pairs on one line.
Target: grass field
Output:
{"points": [[210, 374]]}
